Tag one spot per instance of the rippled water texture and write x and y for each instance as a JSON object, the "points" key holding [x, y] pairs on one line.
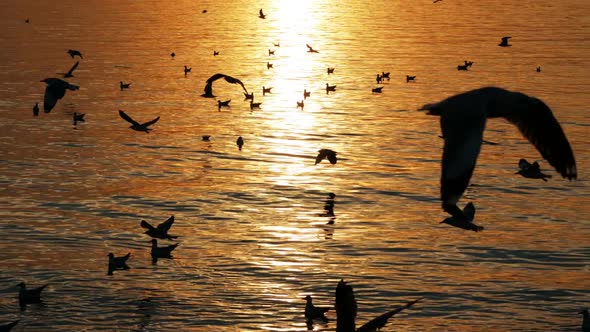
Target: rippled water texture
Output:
{"points": [[253, 234]]}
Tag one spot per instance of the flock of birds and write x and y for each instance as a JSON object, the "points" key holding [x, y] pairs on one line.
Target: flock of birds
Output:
{"points": [[462, 120]]}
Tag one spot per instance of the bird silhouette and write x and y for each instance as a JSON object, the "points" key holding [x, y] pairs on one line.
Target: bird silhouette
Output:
{"points": [[266, 90], [464, 223], [117, 263], [261, 14], [346, 311], [27, 296], [331, 70], [254, 105], [186, 70], [36, 109], [306, 93], [54, 91], [78, 117], [161, 252], [136, 125], [463, 119], [504, 42], [312, 312], [326, 153], [377, 90], [410, 78], [124, 86], [531, 171], [300, 104], [310, 49], [70, 72], [240, 142], [160, 231], [221, 104], [330, 88], [74, 53], [209, 84]]}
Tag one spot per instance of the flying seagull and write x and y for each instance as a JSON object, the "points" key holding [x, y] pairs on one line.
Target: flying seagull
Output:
{"points": [[462, 120], [312, 312], [55, 90], [261, 14], [136, 125], [209, 86], [311, 49], [504, 42], [346, 310], [326, 153], [9, 326], [467, 223], [74, 53], [71, 71], [161, 231], [531, 171], [26, 296]]}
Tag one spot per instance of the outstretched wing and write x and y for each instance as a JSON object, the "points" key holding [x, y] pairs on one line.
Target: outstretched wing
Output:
{"points": [[536, 122], [53, 93], [232, 80], [127, 118], [149, 123], [469, 211], [146, 225], [209, 84], [165, 226], [377, 323], [73, 68], [321, 156]]}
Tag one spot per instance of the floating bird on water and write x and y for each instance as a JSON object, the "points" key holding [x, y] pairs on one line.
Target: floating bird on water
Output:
{"points": [[306, 93], [330, 88], [462, 67], [248, 96], [539, 69], [9, 326], [312, 312], [26, 296], [215, 53], [254, 105], [377, 90], [585, 320], [36, 109], [161, 252], [310, 49], [172, 55], [271, 52], [123, 86], [326, 153], [160, 231], [464, 223], [379, 79], [266, 90], [55, 90], [504, 42], [136, 125], [221, 104], [410, 78], [268, 65], [240, 142], [532, 171], [346, 311], [462, 120], [118, 263], [78, 117], [277, 44], [331, 70], [300, 104], [206, 137], [209, 86], [71, 71], [186, 70], [261, 14], [74, 53]]}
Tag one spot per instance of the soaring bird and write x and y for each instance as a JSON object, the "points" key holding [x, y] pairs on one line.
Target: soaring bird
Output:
{"points": [[55, 90], [70, 72], [136, 125], [462, 120], [9, 326], [26, 296], [221, 104], [209, 86], [312, 312], [160, 231], [118, 263], [74, 53], [346, 310], [261, 14], [410, 78], [78, 117], [310, 49], [161, 252], [532, 171], [504, 42], [464, 223], [326, 153]]}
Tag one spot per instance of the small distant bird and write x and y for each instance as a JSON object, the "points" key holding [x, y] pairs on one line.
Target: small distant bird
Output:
{"points": [[410, 78], [27, 21], [70, 72], [464, 223], [310, 49], [462, 67], [261, 14], [385, 75], [300, 104], [532, 171], [271, 52], [172, 55], [379, 78], [462, 120], [74, 53], [504, 42], [330, 88], [124, 85], [539, 69], [186, 70], [585, 320], [377, 90], [26, 296], [9, 326], [36, 109], [206, 137], [254, 105], [240, 142], [331, 70], [468, 63], [266, 90], [117, 263], [209, 84], [136, 125], [326, 153], [306, 93], [221, 104], [215, 53], [161, 252], [312, 312], [248, 96], [346, 310], [78, 117], [55, 90], [277, 44], [160, 231], [268, 65]]}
